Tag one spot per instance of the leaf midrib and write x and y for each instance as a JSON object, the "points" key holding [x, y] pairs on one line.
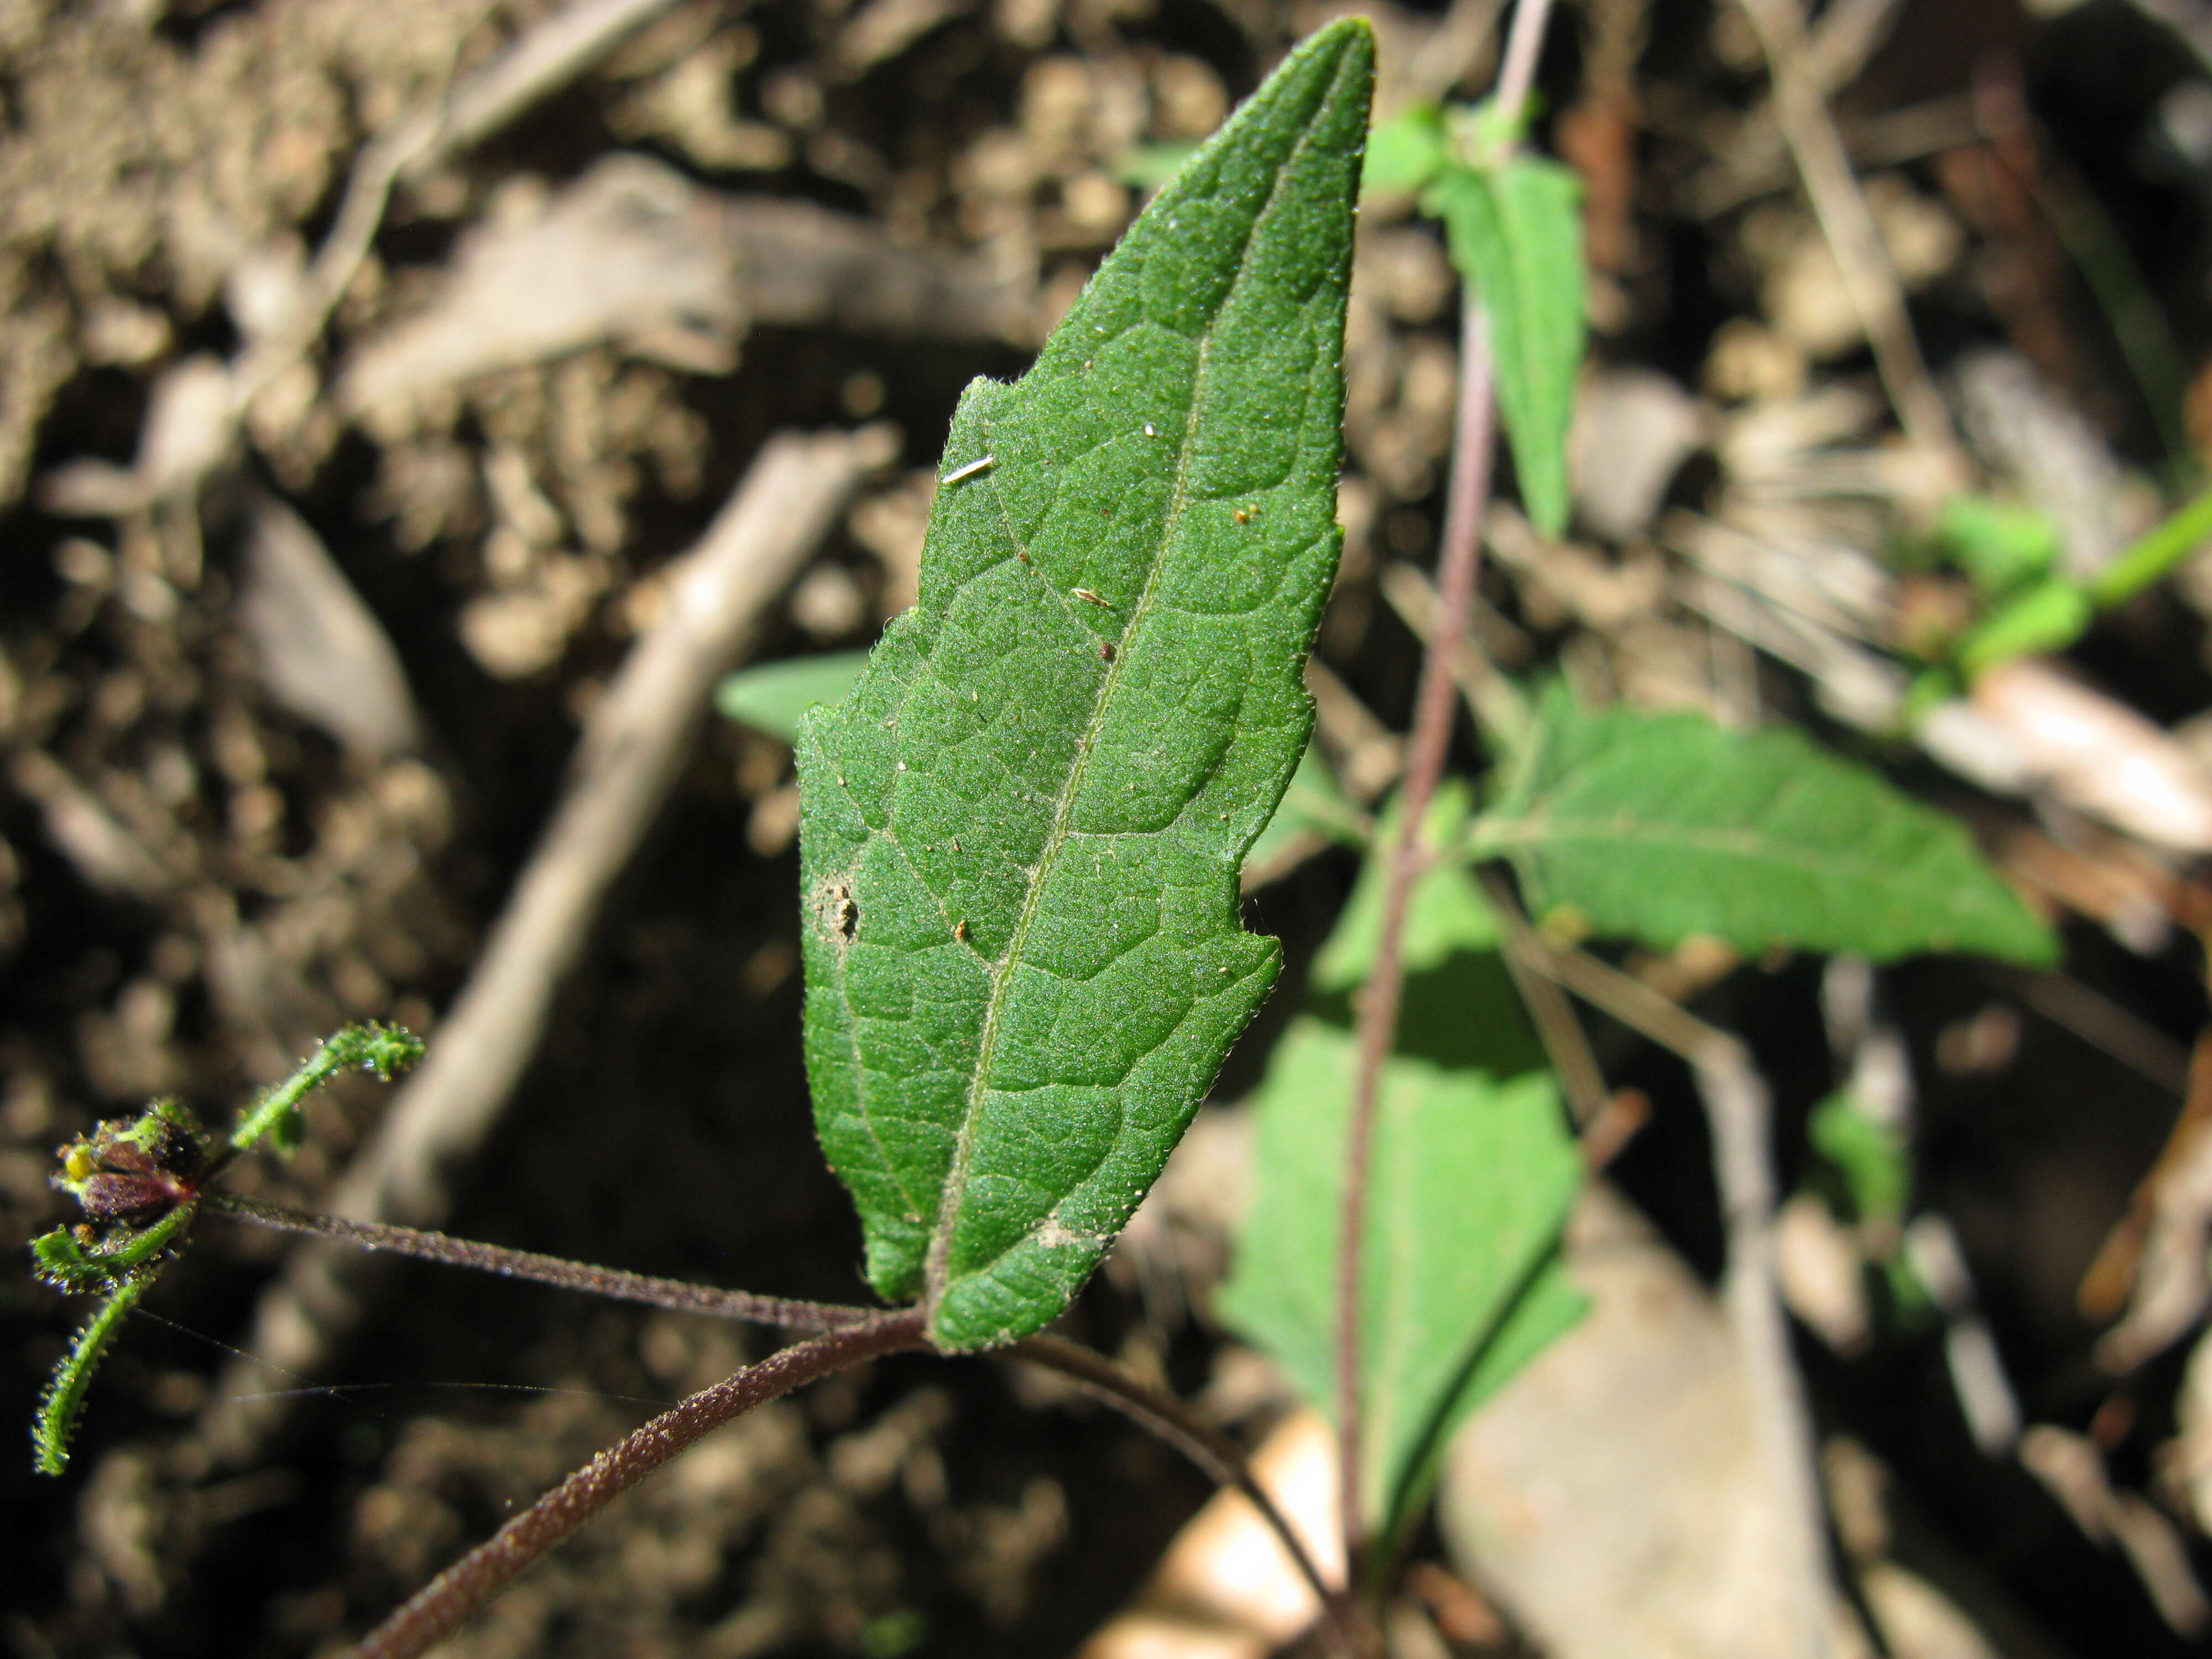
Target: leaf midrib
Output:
{"points": [[1538, 830], [936, 1260]]}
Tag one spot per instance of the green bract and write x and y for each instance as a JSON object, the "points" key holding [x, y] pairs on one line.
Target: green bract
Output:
{"points": [[1022, 831]]}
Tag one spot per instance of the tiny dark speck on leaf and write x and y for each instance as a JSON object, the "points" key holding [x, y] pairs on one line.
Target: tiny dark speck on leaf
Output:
{"points": [[1105, 650]]}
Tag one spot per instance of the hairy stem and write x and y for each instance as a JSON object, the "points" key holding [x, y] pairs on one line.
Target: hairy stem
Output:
{"points": [[1458, 563], [1176, 1423], [434, 1610], [1379, 1000], [64, 1397], [385, 1050], [677, 1294]]}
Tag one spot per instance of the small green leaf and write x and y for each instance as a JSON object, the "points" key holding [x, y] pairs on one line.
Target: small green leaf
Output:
{"points": [[1446, 912], [1405, 152], [1022, 831], [773, 697], [1471, 1178], [1872, 1159], [1664, 826], [1516, 236], [2000, 544], [59, 1260]]}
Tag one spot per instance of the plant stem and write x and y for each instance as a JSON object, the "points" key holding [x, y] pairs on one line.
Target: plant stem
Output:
{"points": [[1379, 999], [2154, 553], [1524, 42], [1176, 1423], [385, 1050], [434, 1611], [1469, 490], [677, 1294], [64, 1397]]}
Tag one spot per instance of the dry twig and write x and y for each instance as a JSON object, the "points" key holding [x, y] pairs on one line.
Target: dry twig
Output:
{"points": [[1845, 220], [2072, 1470], [1468, 490], [1838, 45], [1738, 1111], [630, 751]]}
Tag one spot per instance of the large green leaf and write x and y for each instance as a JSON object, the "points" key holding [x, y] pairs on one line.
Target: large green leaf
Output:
{"points": [[1515, 233], [1022, 830], [1471, 1181], [774, 697], [1664, 826]]}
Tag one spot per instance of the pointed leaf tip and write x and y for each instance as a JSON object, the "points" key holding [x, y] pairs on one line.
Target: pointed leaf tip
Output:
{"points": [[1022, 830], [1661, 827]]}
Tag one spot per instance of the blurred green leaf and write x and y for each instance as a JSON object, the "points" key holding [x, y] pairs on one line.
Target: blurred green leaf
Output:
{"points": [[1405, 152], [1148, 167], [1447, 912], [1661, 827], [772, 696], [1872, 1157], [1515, 233], [1472, 1179], [2000, 544]]}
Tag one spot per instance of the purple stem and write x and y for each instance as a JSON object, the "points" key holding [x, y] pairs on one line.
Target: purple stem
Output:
{"points": [[672, 1293], [433, 1612], [1431, 743], [1173, 1422]]}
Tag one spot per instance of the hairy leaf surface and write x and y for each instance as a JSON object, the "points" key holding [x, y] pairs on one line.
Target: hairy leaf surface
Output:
{"points": [[1313, 812], [1664, 826], [1022, 830], [1472, 1177]]}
